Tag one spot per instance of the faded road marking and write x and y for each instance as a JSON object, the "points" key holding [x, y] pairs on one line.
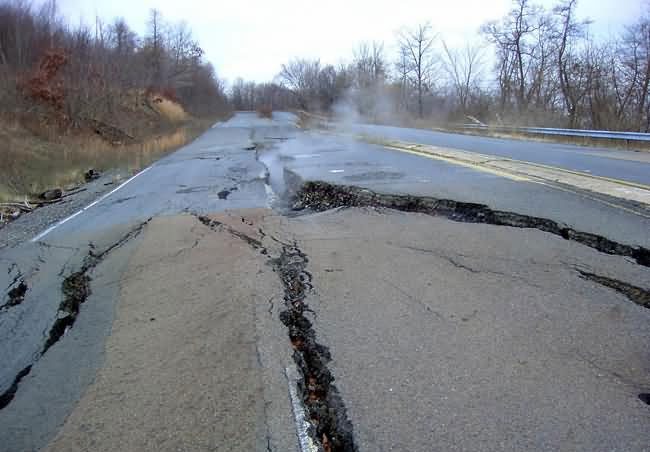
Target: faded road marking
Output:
{"points": [[97, 201], [306, 443]]}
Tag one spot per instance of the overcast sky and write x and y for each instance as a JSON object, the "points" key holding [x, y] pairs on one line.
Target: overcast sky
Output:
{"points": [[252, 39]]}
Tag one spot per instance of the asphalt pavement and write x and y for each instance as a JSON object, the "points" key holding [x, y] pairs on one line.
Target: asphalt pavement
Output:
{"points": [[443, 336], [343, 160]]}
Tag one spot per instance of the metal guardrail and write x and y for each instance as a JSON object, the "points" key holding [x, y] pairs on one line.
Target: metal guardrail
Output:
{"points": [[606, 134]]}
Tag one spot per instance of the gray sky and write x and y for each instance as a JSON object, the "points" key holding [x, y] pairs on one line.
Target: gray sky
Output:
{"points": [[252, 39]]}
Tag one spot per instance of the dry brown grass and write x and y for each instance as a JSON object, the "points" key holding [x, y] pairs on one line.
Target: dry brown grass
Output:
{"points": [[30, 164], [307, 120], [170, 110], [265, 111]]}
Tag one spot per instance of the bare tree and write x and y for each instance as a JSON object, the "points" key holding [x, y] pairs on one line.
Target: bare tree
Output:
{"points": [[369, 64], [571, 73], [402, 69], [155, 43], [301, 77], [417, 48], [634, 54], [464, 69], [521, 50]]}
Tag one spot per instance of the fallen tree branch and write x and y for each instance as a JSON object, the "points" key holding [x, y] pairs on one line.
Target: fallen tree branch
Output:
{"points": [[70, 193], [16, 205]]}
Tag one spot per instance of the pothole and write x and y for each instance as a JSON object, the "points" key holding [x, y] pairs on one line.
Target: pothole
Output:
{"points": [[645, 397], [16, 295], [223, 194]]}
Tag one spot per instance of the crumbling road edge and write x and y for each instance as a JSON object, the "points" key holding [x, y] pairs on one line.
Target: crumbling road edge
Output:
{"points": [[76, 289]]}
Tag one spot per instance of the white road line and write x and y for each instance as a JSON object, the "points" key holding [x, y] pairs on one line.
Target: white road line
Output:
{"points": [[306, 443], [97, 201], [337, 171]]}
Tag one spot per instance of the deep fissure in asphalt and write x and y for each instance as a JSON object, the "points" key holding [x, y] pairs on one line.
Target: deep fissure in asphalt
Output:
{"points": [[635, 294], [75, 289], [329, 424], [7, 396], [320, 196]]}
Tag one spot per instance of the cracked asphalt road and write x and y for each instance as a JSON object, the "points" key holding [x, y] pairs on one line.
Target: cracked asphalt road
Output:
{"points": [[443, 336]]}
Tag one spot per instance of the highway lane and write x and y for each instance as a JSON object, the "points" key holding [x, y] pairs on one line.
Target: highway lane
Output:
{"points": [[218, 169], [624, 165]]}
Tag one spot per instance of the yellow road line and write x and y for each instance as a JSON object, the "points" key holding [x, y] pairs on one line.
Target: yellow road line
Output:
{"points": [[409, 147], [475, 166], [527, 178]]}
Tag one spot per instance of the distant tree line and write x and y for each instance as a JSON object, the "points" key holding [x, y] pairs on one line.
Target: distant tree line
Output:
{"points": [[91, 72], [547, 69]]}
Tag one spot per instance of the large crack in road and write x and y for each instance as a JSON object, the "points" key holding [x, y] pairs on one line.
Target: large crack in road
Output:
{"points": [[321, 196], [634, 293], [76, 289], [330, 427], [325, 409], [327, 415]]}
